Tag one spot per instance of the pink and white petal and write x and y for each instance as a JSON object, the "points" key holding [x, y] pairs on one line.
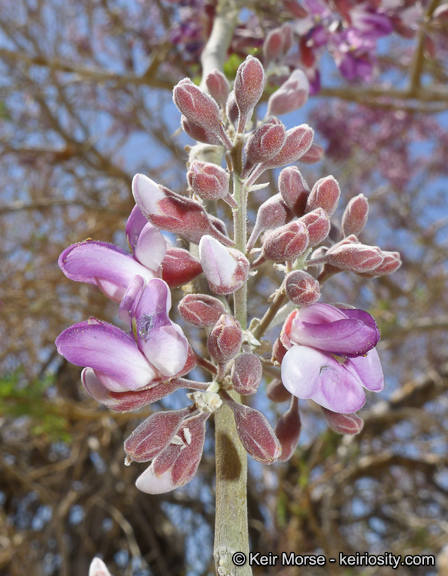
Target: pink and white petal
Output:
{"points": [[369, 370], [107, 349], [320, 314], [151, 484], [135, 224], [218, 265], [151, 247], [129, 299], [300, 370], [147, 194], [98, 568], [166, 348]]}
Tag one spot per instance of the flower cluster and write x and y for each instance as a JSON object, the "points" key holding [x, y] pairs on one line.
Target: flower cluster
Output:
{"points": [[327, 353]]}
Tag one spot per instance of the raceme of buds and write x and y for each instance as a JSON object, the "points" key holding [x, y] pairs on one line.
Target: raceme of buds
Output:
{"points": [[265, 142], [291, 96], [179, 267], [301, 288], [324, 194], [318, 225], [172, 212], [355, 215], [276, 392], [198, 133], [154, 434], [354, 257], [210, 182], [271, 214], [255, 432], [218, 87], [391, 262], [226, 269], [200, 309], [314, 154], [343, 423], [225, 339], [200, 109], [249, 85], [293, 189], [286, 243], [247, 373], [288, 430]]}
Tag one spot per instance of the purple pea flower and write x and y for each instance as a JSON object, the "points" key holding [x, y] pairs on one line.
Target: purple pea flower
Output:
{"points": [[369, 22], [331, 356], [155, 350], [111, 268]]}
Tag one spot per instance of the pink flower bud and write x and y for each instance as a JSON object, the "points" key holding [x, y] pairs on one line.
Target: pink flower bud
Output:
{"points": [[324, 194], [354, 257], [301, 288], [343, 423], [209, 181], [391, 262], [255, 432], [291, 96], [226, 269], [273, 46], [276, 392], [218, 87], [179, 267], [295, 8], [249, 85], [247, 373], [232, 108], [224, 341], [265, 142], [198, 133], [172, 212], [200, 109], [271, 214], [314, 154], [154, 434], [288, 430], [318, 225], [293, 189], [200, 309], [355, 215], [441, 13], [286, 243], [288, 37], [297, 143]]}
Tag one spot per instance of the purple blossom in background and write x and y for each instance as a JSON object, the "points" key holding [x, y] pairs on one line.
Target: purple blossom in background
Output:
{"points": [[331, 356]]}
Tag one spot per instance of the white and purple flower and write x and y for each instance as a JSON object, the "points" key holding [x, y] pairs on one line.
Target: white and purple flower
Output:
{"points": [[331, 356]]}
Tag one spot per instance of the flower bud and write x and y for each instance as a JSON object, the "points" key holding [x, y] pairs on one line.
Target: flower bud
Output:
{"points": [[273, 46], [226, 269], [247, 373], [314, 154], [232, 108], [218, 87], [354, 257], [224, 341], [179, 267], [276, 392], [278, 351], [441, 13], [318, 225], [343, 423], [297, 143], [265, 142], [391, 262], [255, 432], [291, 96], [172, 212], [301, 288], [209, 181], [293, 189], [249, 85], [288, 37], [288, 430], [200, 109], [98, 568], [355, 215], [324, 194], [271, 214], [200, 309], [286, 243], [154, 434], [198, 133], [295, 8]]}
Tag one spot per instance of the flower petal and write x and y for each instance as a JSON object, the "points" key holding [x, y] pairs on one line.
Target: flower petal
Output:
{"points": [[308, 373], [102, 264], [128, 301], [151, 247], [162, 341], [151, 484], [108, 350], [369, 370], [135, 224]]}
